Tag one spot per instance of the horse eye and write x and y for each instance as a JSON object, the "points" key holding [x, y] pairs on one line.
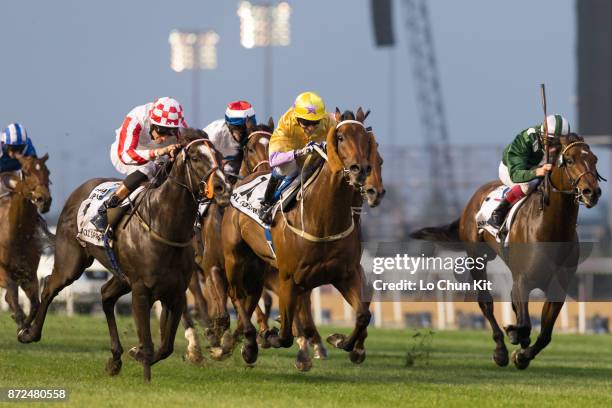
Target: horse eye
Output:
{"points": [[195, 158], [570, 161], [340, 137]]}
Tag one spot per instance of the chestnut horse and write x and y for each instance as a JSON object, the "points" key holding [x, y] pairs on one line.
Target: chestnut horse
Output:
{"points": [[316, 244], [211, 299], [543, 246], [20, 238], [373, 191], [153, 249]]}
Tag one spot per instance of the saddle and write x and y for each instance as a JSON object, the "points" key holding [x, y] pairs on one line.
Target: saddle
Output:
{"points": [[488, 205]]}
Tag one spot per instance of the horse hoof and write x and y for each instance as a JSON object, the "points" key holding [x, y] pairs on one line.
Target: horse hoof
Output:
{"points": [[262, 340], [113, 367], [520, 361], [194, 356], [218, 354], [249, 353], [336, 340], [303, 366], [25, 336], [357, 356], [320, 352], [501, 357], [272, 337]]}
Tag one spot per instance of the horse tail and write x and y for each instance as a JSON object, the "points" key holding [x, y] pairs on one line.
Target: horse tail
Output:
{"points": [[444, 233], [47, 237]]}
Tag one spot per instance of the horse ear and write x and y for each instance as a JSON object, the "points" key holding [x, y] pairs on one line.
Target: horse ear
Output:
{"points": [[271, 123], [45, 157], [338, 115], [360, 115], [366, 114], [250, 125]]}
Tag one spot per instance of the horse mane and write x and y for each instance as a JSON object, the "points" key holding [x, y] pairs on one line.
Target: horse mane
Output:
{"points": [[188, 135]]}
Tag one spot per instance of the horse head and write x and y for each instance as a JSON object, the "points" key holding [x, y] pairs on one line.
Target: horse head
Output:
{"points": [[255, 151], [202, 163], [575, 170], [374, 190], [35, 181], [349, 147]]}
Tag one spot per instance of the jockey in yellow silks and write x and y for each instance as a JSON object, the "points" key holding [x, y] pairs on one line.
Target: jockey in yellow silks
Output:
{"points": [[303, 125]]}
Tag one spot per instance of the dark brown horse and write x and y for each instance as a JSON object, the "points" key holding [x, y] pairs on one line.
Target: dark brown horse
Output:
{"points": [[153, 250], [211, 297], [324, 248], [543, 249], [20, 238]]}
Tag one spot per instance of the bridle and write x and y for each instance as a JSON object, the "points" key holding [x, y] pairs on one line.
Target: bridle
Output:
{"points": [[28, 185], [562, 163], [207, 180], [261, 162]]}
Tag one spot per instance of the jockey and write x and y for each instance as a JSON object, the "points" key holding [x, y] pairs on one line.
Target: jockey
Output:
{"points": [[148, 132], [14, 142], [303, 125], [228, 135], [523, 165]]}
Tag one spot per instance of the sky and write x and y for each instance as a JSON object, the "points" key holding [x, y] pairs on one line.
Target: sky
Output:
{"points": [[71, 69]]}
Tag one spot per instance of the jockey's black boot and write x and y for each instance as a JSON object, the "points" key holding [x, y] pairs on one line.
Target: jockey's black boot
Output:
{"points": [[100, 221], [499, 214], [267, 204]]}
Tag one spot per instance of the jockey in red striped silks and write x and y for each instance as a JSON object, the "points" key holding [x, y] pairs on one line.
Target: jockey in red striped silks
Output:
{"points": [[148, 132]]}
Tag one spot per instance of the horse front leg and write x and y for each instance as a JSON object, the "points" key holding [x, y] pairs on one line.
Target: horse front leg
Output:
{"points": [[173, 310], [12, 298], [485, 302], [520, 334], [141, 308], [31, 291], [550, 311], [287, 302], [194, 350], [352, 290]]}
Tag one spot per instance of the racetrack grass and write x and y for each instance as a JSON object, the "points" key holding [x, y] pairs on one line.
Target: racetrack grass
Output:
{"points": [[73, 351]]}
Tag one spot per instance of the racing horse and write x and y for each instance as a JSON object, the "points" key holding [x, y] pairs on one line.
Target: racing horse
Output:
{"points": [[372, 192], [324, 248], [211, 299], [543, 246], [153, 250], [21, 243]]}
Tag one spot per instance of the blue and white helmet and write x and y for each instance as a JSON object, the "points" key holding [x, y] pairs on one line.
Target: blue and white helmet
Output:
{"points": [[557, 126], [14, 134]]}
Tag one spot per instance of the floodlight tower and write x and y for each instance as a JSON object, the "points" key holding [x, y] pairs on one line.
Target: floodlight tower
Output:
{"points": [[265, 25], [444, 200], [193, 51]]}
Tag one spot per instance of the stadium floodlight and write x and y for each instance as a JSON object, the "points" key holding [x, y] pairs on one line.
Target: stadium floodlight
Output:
{"points": [[265, 25], [193, 51]]}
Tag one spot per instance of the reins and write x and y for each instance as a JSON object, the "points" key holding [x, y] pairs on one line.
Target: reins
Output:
{"points": [[302, 232]]}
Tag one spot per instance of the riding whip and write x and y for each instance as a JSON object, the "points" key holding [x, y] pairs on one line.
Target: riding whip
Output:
{"points": [[546, 152]]}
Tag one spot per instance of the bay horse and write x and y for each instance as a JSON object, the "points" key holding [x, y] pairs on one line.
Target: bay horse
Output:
{"points": [[543, 246], [211, 298], [20, 239], [326, 249], [153, 249]]}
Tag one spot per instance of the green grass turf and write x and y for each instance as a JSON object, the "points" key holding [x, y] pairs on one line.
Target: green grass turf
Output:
{"points": [[460, 372]]}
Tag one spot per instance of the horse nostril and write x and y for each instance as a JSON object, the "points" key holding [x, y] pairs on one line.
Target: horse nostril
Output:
{"points": [[598, 192], [371, 191], [587, 192], [355, 169], [219, 188]]}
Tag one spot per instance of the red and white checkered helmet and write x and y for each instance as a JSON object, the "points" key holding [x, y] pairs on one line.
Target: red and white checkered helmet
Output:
{"points": [[166, 112]]}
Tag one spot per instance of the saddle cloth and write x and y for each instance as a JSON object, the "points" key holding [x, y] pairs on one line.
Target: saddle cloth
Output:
{"points": [[488, 205], [88, 209], [247, 197]]}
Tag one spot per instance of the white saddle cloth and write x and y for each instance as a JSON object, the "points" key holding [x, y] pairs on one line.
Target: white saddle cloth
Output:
{"points": [[488, 205]]}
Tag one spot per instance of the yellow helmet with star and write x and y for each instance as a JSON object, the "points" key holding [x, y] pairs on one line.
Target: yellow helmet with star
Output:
{"points": [[309, 106]]}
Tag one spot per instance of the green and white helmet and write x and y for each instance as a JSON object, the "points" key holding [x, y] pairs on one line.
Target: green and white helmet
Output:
{"points": [[557, 126]]}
